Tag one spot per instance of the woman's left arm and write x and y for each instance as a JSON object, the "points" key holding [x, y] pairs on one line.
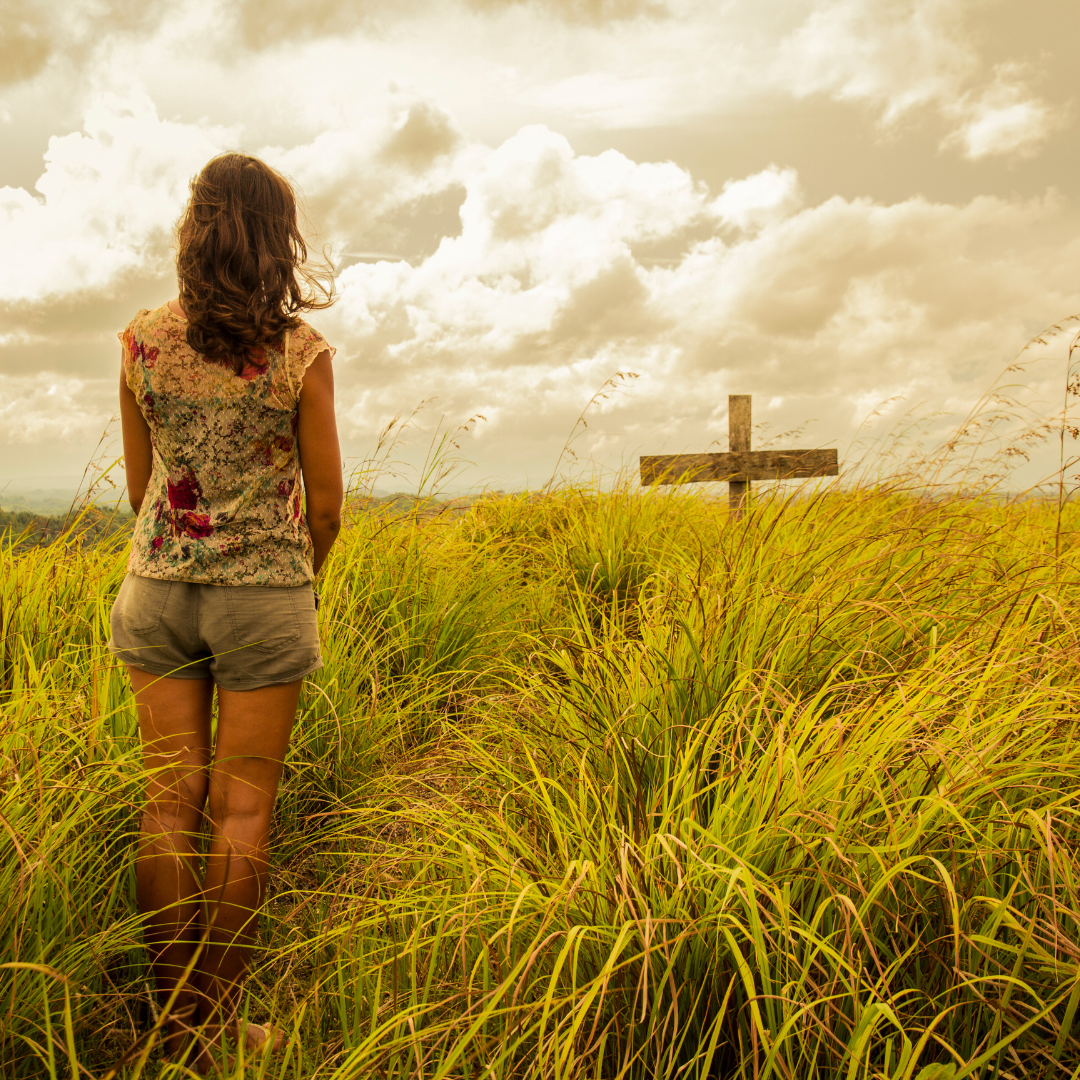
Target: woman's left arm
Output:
{"points": [[138, 450]]}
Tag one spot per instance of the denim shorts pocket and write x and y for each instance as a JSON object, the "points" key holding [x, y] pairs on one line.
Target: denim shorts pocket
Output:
{"points": [[262, 619], [140, 604]]}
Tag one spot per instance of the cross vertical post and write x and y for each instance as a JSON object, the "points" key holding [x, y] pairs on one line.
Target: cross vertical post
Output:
{"points": [[738, 426]]}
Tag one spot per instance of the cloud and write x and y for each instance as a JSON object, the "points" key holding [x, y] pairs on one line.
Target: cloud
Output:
{"points": [[83, 39], [554, 270], [759, 200], [424, 134], [596, 63], [541, 297], [104, 207], [1004, 119], [105, 203], [264, 23], [545, 243], [584, 11], [24, 41], [895, 54], [270, 23], [44, 408], [33, 32], [384, 184], [904, 55]]}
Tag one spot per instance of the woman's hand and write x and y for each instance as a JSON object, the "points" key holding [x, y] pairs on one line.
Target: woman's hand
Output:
{"points": [[138, 449], [320, 456]]}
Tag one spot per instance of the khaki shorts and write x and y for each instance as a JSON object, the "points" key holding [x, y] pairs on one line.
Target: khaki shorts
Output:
{"points": [[241, 636]]}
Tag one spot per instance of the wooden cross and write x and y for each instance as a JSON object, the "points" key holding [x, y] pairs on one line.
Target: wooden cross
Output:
{"points": [[740, 464]]}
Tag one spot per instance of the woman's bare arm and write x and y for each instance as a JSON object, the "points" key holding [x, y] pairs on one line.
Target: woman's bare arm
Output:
{"points": [[320, 456], [138, 449]]}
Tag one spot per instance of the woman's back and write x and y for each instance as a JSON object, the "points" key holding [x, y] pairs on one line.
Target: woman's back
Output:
{"points": [[223, 504]]}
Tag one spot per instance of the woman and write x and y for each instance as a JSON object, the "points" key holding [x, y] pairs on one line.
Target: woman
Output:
{"points": [[227, 399]]}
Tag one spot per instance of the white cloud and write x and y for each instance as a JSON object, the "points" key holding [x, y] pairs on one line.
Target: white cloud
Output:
{"points": [[45, 408], [903, 55], [895, 54], [35, 32], [354, 178], [108, 198], [547, 291], [1004, 119], [567, 268], [765, 197], [541, 229]]}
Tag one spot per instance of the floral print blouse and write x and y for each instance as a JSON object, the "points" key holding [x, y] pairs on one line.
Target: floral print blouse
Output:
{"points": [[223, 506]]}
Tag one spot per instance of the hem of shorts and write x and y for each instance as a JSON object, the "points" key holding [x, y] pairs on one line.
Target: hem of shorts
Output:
{"points": [[277, 680], [190, 673], [187, 672]]}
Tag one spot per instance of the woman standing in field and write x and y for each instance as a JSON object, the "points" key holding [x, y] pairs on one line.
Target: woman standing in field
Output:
{"points": [[227, 400]]}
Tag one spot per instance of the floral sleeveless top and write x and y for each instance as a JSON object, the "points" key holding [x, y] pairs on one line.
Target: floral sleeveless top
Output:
{"points": [[223, 506]]}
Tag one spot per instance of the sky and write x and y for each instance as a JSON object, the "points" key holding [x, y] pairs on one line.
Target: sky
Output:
{"points": [[858, 211]]}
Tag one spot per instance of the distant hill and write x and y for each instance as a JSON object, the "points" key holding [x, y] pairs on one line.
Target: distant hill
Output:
{"points": [[37, 517], [29, 528], [38, 500]]}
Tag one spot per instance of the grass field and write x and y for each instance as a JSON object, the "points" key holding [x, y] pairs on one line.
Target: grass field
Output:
{"points": [[595, 784]]}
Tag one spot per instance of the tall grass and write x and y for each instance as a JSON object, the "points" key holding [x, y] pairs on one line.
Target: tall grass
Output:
{"points": [[597, 784]]}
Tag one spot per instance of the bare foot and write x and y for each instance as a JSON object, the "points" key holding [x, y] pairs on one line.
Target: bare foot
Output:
{"points": [[211, 1059], [261, 1038]]}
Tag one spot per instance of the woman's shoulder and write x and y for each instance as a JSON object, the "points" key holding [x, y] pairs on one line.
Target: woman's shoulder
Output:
{"points": [[306, 337], [306, 343], [155, 322]]}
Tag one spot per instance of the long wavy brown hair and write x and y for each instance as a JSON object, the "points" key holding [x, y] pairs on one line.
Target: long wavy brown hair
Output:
{"points": [[242, 263]]}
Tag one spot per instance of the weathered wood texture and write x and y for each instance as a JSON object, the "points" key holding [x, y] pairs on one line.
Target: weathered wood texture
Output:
{"points": [[738, 423], [738, 467], [738, 427]]}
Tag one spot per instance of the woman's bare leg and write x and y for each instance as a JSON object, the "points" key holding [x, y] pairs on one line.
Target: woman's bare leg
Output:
{"points": [[174, 724], [252, 738]]}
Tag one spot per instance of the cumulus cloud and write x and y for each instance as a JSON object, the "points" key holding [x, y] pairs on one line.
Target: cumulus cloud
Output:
{"points": [[895, 54], [543, 259], [373, 185], [105, 203], [759, 200], [104, 207], [1005, 118], [92, 242], [541, 297], [554, 270], [32, 32], [902, 55], [44, 408]]}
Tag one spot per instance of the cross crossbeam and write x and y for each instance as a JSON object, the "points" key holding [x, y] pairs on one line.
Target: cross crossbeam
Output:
{"points": [[740, 464]]}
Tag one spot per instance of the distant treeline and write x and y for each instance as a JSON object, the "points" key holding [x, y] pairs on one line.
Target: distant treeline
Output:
{"points": [[26, 528]]}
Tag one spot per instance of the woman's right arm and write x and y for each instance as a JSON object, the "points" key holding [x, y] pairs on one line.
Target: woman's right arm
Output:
{"points": [[320, 456], [138, 447]]}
